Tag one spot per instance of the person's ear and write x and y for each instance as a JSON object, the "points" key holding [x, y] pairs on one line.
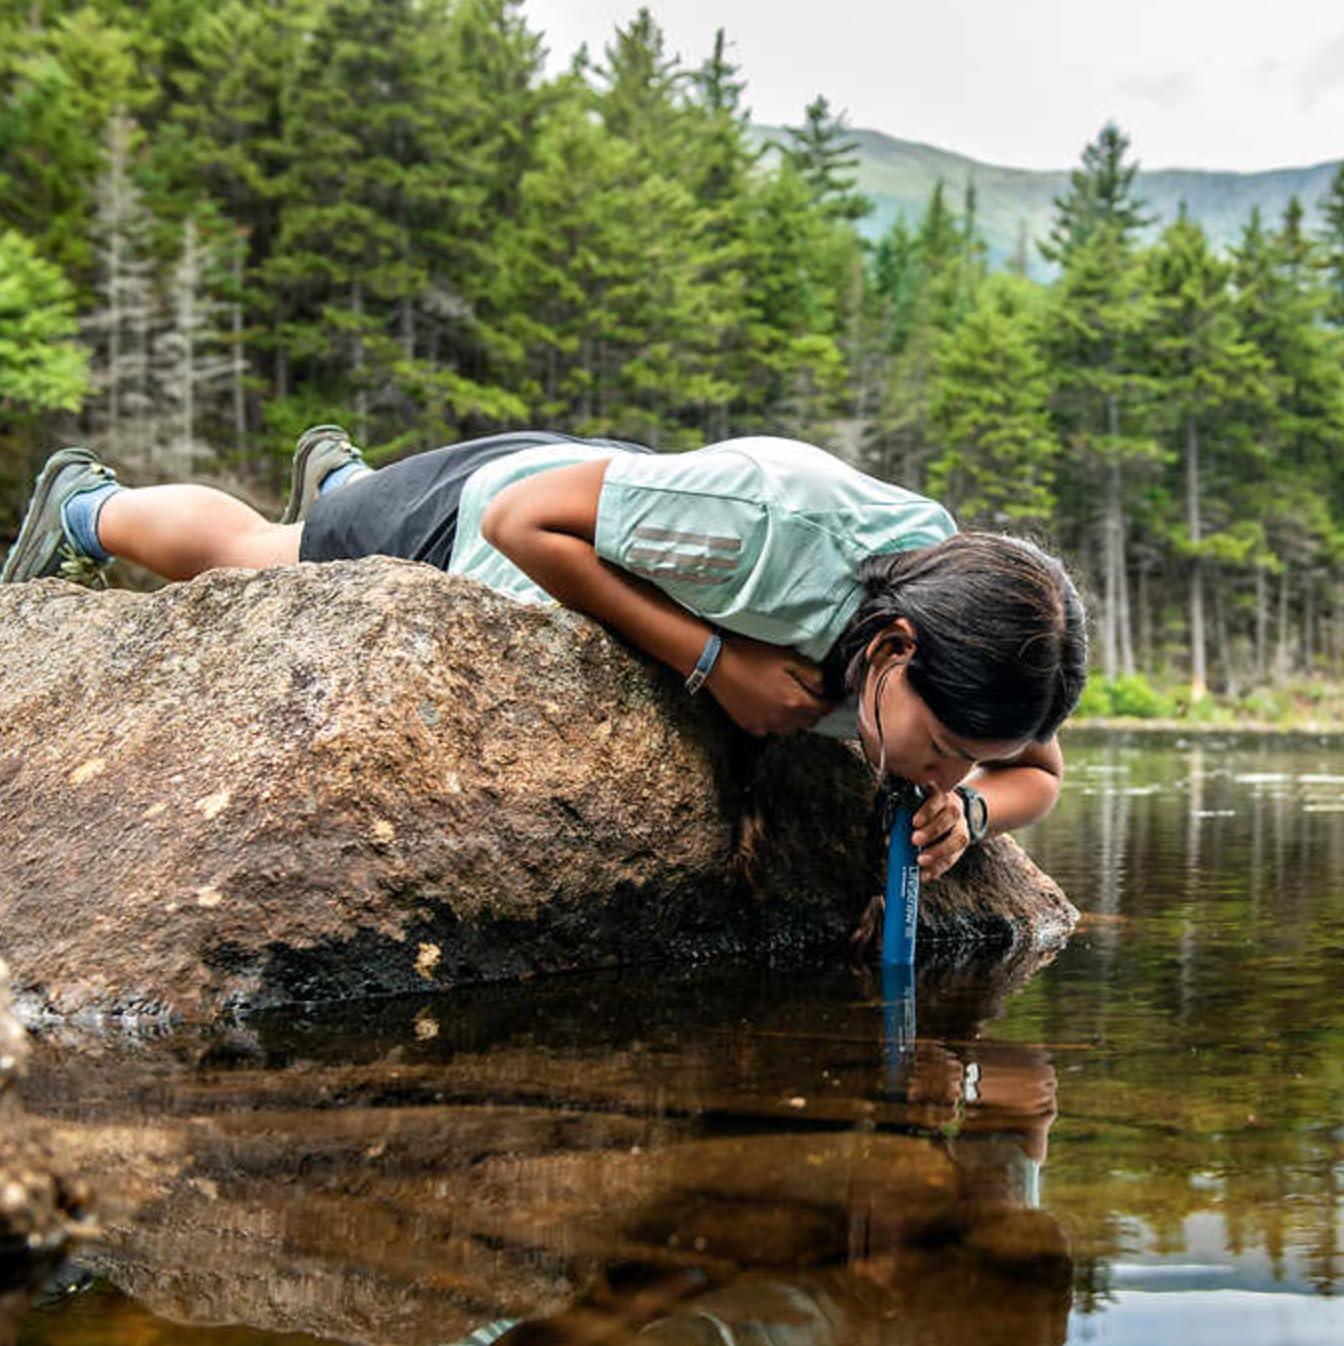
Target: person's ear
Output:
{"points": [[895, 642]]}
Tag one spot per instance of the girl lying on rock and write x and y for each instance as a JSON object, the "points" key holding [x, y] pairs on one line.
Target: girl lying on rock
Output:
{"points": [[800, 593]]}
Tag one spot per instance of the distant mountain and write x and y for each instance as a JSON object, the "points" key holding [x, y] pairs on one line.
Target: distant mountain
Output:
{"points": [[899, 175]]}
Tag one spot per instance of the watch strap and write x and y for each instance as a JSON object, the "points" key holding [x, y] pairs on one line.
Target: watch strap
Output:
{"points": [[976, 809]]}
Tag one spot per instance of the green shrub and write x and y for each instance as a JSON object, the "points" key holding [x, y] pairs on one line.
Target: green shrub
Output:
{"points": [[1095, 701], [1265, 703], [1137, 698], [1209, 710], [1132, 697]]}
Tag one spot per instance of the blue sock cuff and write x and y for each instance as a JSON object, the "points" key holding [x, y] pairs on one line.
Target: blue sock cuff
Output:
{"points": [[338, 476], [79, 520]]}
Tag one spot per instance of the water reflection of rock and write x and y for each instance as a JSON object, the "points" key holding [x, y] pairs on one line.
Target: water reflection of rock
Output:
{"points": [[462, 1161], [37, 1210]]}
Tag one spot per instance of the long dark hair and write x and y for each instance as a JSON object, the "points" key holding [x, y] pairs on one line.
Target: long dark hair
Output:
{"points": [[1000, 645]]}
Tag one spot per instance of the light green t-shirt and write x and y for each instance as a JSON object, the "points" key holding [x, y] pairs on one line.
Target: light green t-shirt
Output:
{"points": [[761, 536]]}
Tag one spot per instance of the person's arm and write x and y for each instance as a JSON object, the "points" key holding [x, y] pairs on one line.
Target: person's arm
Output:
{"points": [[545, 525], [1016, 793]]}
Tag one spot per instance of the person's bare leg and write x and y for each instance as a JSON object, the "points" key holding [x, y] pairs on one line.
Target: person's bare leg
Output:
{"points": [[179, 531]]}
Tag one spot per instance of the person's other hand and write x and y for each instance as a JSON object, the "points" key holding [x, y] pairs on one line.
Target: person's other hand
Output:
{"points": [[767, 689], [940, 832]]}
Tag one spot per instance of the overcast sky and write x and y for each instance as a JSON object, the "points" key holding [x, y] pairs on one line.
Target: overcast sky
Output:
{"points": [[1234, 84]]}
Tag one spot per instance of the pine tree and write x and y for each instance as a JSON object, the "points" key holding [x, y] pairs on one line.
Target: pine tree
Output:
{"points": [[989, 413], [42, 370], [1101, 192], [893, 281], [121, 326], [192, 363], [222, 139], [374, 189], [1093, 341], [937, 283], [722, 160], [41, 367], [792, 373], [1332, 208], [1211, 378], [478, 133], [641, 96], [824, 154], [611, 296], [688, 135], [62, 77], [1281, 304], [723, 155]]}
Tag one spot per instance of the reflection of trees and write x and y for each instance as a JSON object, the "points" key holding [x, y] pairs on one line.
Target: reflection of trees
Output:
{"points": [[1209, 1069]]}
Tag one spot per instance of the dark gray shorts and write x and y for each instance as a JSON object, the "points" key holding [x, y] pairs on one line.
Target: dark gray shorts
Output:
{"points": [[409, 509]]}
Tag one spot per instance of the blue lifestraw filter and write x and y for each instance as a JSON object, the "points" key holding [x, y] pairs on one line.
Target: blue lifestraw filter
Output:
{"points": [[901, 918]]}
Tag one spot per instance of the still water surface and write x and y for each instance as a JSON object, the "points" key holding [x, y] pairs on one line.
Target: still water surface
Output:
{"points": [[1141, 1143]]}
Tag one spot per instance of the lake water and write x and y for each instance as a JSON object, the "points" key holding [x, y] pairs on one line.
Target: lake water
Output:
{"points": [[1140, 1143]]}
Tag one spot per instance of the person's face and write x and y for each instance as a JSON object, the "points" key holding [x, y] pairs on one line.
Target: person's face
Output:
{"points": [[912, 743]]}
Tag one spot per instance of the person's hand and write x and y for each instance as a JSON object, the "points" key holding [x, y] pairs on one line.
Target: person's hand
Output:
{"points": [[940, 832], [767, 689]]}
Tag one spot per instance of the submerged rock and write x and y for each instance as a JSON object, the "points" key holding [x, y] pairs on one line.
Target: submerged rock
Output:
{"points": [[323, 782], [36, 1208]]}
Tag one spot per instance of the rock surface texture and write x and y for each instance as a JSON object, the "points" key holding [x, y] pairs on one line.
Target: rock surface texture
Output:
{"points": [[323, 782]]}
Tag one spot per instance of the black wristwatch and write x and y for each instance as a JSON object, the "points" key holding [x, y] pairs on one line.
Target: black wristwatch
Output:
{"points": [[977, 813]]}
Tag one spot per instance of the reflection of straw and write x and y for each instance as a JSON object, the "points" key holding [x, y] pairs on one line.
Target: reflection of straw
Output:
{"points": [[898, 1026]]}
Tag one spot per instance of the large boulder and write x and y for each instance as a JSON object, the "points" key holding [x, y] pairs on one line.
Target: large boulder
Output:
{"points": [[330, 781]]}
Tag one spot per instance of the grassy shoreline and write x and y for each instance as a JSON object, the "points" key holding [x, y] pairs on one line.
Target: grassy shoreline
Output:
{"points": [[1187, 728], [1305, 705]]}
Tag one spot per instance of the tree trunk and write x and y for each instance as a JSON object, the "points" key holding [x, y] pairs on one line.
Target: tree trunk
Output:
{"points": [[357, 367], [1106, 619], [1337, 631], [1144, 621], [587, 364], [239, 365], [280, 368], [1226, 660], [1199, 684], [1124, 617], [1281, 659], [114, 320], [1308, 622], [408, 328], [144, 428], [1115, 617], [188, 283], [1261, 624]]}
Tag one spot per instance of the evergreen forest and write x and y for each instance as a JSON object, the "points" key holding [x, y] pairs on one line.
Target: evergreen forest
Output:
{"points": [[221, 223]]}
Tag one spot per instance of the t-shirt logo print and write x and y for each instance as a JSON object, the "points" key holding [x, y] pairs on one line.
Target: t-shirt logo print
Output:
{"points": [[691, 558]]}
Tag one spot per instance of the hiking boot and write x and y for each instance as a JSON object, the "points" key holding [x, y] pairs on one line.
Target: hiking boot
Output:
{"points": [[318, 453], [42, 547]]}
